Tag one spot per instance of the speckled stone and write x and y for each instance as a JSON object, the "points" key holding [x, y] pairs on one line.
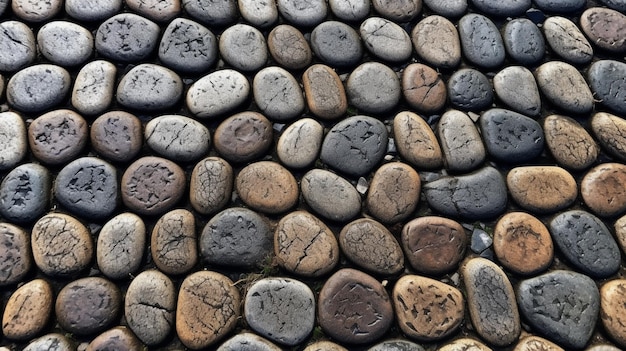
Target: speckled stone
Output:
{"points": [[188, 46], [18, 47], [243, 47], [398, 10], [350, 10], [303, 13], [267, 187], [15, 254], [65, 43], [120, 246], [13, 140], [325, 345], [469, 89], [416, 142], [243, 137], [277, 94], [57, 136], [567, 41], [613, 309], [50, 342], [610, 130], [437, 42], [499, 8], [397, 344], [37, 88], [423, 88], [248, 342], [156, 10], [149, 87], [127, 37], [564, 86], [288, 47], [464, 344], [330, 195], [217, 93], [118, 338], [542, 189], [173, 243], [523, 41], [511, 137], [94, 10], [448, 9], [25, 193], [325, 94], [603, 189], [117, 136], [517, 88], [336, 44], [607, 79], [211, 185], [300, 143], [212, 13], [394, 192], [560, 6], [619, 5], [177, 137], [605, 27], [385, 39], [461, 144], [535, 343], [36, 10], [569, 143], [481, 41], [258, 13], [93, 88], [27, 310]]}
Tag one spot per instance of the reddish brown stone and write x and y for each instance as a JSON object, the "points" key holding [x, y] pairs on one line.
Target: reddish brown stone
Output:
{"points": [[569, 143], [604, 189], [416, 141], [267, 187], [394, 192], [27, 310], [324, 91], [605, 27], [117, 136], [423, 88], [243, 137], [58, 136]]}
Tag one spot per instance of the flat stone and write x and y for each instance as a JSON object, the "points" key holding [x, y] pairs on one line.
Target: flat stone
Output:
{"points": [[88, 305], [535, 343], [303, 13], [177, 137], [156, 10], [603, 189], [248, 341], [94, 87], [354, 307], [350, 10], [243, 137], [394, 192], [461, 144], [258, 13], [499, 8], [57, 136], [277, 94], [188, 46], [434, 245], [62, 245], [613, 310], [217, 93], [448, 9], [385, 39], [288, 47], [564, 86], [300, 143], [127, 37], [118, 338], [330, 195], [149, 87], [202, 294], [511, 137], [117, 136], [469, 89], [92, 11], [416, 141], [567, 41], [243, 47], [173, 243], [606, 28], [336, 44], [586, 243], [36, 10], [37, 88], [15, 254], [398, 11], [120, 246], [464, 344], [325, 345], [480, 39], [65, 43], [607, 79], [560, 6], [542, 189], [152, 185], [437, 42], [50, 342], [17, 46], [212, 13], [211, 185], [396, 345], [149, 306], [609, 130], [569, 143], [542, 301], [373, 88], [619, 5], [27, 310], [267, 187], [516, 87], [523, 41], [236, 237], [25, 193], [325, 94], [423, 88]]}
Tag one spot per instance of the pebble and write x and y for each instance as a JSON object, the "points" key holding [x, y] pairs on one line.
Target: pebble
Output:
{"points": [[211, 185], [248, 341], [516, 87], [620, 232], [436, 41], [469, 89], [36, 10], [288, 47], [499, 8], [613, 310], [523, 41], [152, 185], [481, 41], [511, 137], [586, 243], [609, 130], [394, 192], [396, 345], [354, 307], [603, 189], [325, 345], [118, 338], [542, 189], [243, 137], [481, 241], [15, 254], [188, 46], [464, 344], [94, 87], [88, 187], [491, 302], [236, 237], [120, 246], [567, 41], [117, 136], [17, 44], [350, 10], [65, 43], [303, 13], [173, 242], [58, 136], [150, 305], [434, 245], [603, 347], [178, 138], [330, 195], [149, 87], [156, 10], [50, 342], [27, 310], [355, 146], [92, 11], [292, 298], [127, 37], [385, 39], [207, 309], [37, 88], [427, 309], [461, 144], [25, 193], [535, 343], [448, 9], [398, 11], [88, 305], [243, 47], [423, 88], [561, 305], [569, 143], [560, 6], [607, 79], [212, 13], [300, 143], [336, 44], [62, 245], [267, 187], [217, 93], [325, 94], [370, 245], [477, 195], [416, 141], [606, 28], [564, 87], [258, 13], [277, 94], [522, 243], [619, 5]]}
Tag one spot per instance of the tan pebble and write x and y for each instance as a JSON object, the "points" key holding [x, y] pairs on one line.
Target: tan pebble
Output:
{"points": [[325, 346], [324, 91], [416, 141], [610, 130], [394, 192], [27, 311], [620, 233], [464, 344], [118, 338], [267, 187], [288, 47], [604, 189], [542, 189], [570, 144], [613, 309], [436, 40], [535, 343], [173, 243]]}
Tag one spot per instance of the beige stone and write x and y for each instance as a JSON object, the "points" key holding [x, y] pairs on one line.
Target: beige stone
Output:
{"points": [[613, 309], [569, 143], [542, 189], [604, 189], [394, 192], [325, 95], [27, 311], [416, 141], [267, 187]]}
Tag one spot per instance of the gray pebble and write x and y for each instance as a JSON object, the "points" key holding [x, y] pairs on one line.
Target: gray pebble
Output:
{"points": [[469, 89], [37, 88], [25, 193], [93, 10], [13, 140], [436, 41], [330, 195], [560, 6], [173, 242], [385, 39], [480, 241], [217, 93], [127, 37], [188, 46], [516, 87], [259, 13], [211, 185], [502, 8], [65, 43], [149, 87], [336, 44], [218, 13], [396, 345], [300, 143], [93, 88], [177, 137], [373, 88], [17, 46], [461, 145], [350, 10], [156, 10], [564, 86], [288, 47], [117, 135], [36, 10], [523, 41], [511, 137], [398, 10], [248, 342], [607, 79], [120, 246], [243, 47], [449, 9], [50, 342], [567, 41], [277, 94], [619, 5], [58, 136], [305, 13], [481, 41], [16, 254]]}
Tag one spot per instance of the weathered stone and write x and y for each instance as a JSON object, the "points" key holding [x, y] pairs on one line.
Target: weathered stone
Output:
{"points": [[385, 39], [94, 10], [65, 43], [93, 88], [517, 88], [177, 137], [127, 37], [481, 41], [448, 9], [120, 246], [212, 13], [610, 130], [398, 10], [469, 89], [325, 345], [288, 47], [605, 27], [350, 10], [464, 344], [394, 192], [416, 141], [300, 143], [27, 310], [217, 93], [423, 88], [560, 6], [156, 10], [15, 254], [188, 46], [57, 136], [13, 140], [303, 13], [267, 187], [564, 86], [604, 189], [259, 13], [243, 47], [36, 10], [248, 341], [542, 189], [436, 41], [243, 137], [398, 344], [569, 143], [567, 40], [117, 135], [118, 338], [50, 342], [613, 309], [535, 343], [607, 79], [461, 144], [499, 8], [523, 41], [511, 137], [277, 94], [149, 87], [25, 193], [173, 243], [325, 94], [18, 47], [336, 44], [211, 185], [37, 88]]}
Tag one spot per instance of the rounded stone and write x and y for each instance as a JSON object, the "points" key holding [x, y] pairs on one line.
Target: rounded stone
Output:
{"points": [[469, 89], [17, 46], [437, 42], [50, 342], [149, 87], [397, 344], [65, 43], [243, 137], [608, 130], [211, 185], [325, 94], [36, 10], [385, 39], [212, 13], [243, 47], [300, 143], [217, 93], [117, 136], [560, 6], [188, 46], [13, 140], [152, 185], [517, 88], [330, 195], [27, 310], [25, 193], [15, 254], [303, 13], [461, 143], [613, 309], [523, 41], [603, 189], [118, 338], [605, 27], [415, 141], [57, 136], [354, 307], [434, 245], [423, 88], [542, 189], [564, 86], [267, 187], [350, 10], [156, 10], [336, 44], [88, 305], [173, 243], [511, 137], [535, 343], [499, 8], [464, 344], [394, 192], [620, 232], [448, 9], [288, 47], [398, 11], [373, 88], [62, 246], [94, 10], [94, 87], [37, 88], [481, 41], [567, 41], [277, 94], [569, 143], [248, 341], [206, 294], [120, 246], [607, 79], [127, 37], [325, 345], [258, 13], [177, 137], [619, 5]]}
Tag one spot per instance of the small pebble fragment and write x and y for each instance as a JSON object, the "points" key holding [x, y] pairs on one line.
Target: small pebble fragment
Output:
{"points": [[481, 41], [385, 39], [17, 46], [567, 41], [25, 193], [607, 79], [330, 195], [398, 10], [37, 88], [325, 94], [423, 88], [188, 46], [217, 93], [15, 254], [609, 130], [243, 47], [248, 341], [65, 43], [569, 143], [118, 338], [605, 27], [243, 137], [117, 136], [542, 189], [211, 185], [27, 310], [436, 41], [277, 94], [416, 141], [469, 89], [173, 243], [92, 11], [564, 87], [127, 37], [523, 41], [336, 44], [303, 13], [517, 88], [36, 10], [394, 192], [603, 189], [120, 246], [258, 13], [461, 144], [177, 137], [511, 137], [613, 309], [300, 143], [350, 10], [149, 87], [212, 13], [93, 88]]}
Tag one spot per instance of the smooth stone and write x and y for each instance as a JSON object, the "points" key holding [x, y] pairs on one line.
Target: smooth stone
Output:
{"points": [[206, 294], [398, 10], [560, 6], [15, 254], [50, 342], [461, 144], [188, 46], [398, 344], [522, 243], [211, 185], [500, 8], [36, 10], [243, 47], [58, 136], [609, 130], [523, 41], [542, 189], [93, 10], [427, 309], [117, 136], [292, 298], [118, 338], [150, 305], [448, 9], [619, 5], [62, 246], [481, 41], [423, 88], [354, 307], [325, 94], [152, 185], [620, 232], [217, 93], [156, 10], [94, 87], [288, 47], [300, 143], [350, 10], [267, 187], [517, 88], [236, 237], [65, 43], [569, 143], [212, 13], [373, 88], [88, 305], [248, 342], [607, 79], [304, 245], [37, 88], [535, 343], [416, 142], [173, 243], [18, 47], [336, 44], [491, 302], [303, 13], [394, 192], [561, 305], [25, 193], [433, 245], [330, 195], [478, 195], [567, 41], [564, 86], [127, 37], [277, 94], [586, 243], [177, 137], [464, 344], [606, 28], [511, 137], [27, 310], [613, 310], [436, 41], [603, 347], [149, 87], [120, 246], [371, 246], [469, 89], [258, 13], [385, 39], [355, 146], [243, 137], [325, 345], [603, 189]]}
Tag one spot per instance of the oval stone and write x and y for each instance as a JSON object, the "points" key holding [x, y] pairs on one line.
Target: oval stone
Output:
{"points": [[188, 46], [15, 254], [117, 135], [560, 6], [604, 189], [50, 342], [27, 310], [437, 42], [567, 41], [613, 309], [423, 88], [464, 344], [267, 187], [336, 44], [36, 10], [177, 137], [416, 141], [523, 41], [277, 94], [398, 10], [535, 343], [394, 192], [396, 344], [65, 43], [156, 10], [385, 39], [149, 87], [448, 9], [127, 37], [350, 10], [542, 189], [502, 8], [120, 246], [217, 93], [303, 13], [37, 88], [94, 86], [620, 232], [569, 143], [619, 5], [243, 137], [18, 47], [325, 345], [13, 140], [511, 137], [300, 143], [211, 185], [605, 27], [288, 46], [609, 130], [564, 86], [607, 79], [57, 136], [173, 243], [243, 47], [325, 94], [212, 13], [330, 195], [469, 89], [94, 10], [517, 88], [25, 193], [481, 41], [243, 341], [118, 338], [461, 144], [259, 13]]}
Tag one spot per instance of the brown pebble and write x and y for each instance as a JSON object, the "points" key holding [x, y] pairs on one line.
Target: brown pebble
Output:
{"points": [[423, 88], [267, 187], [542, 189], [117, 135], [288, 47], [27, 311], [243, 137], [613, 310], [464, 344], [173, 243], [569, 143], [325, 345], [324, 91], [620, 233], [118, 339], [609, 130], [211, 185], [605, 27], [416, 141], [535, 343], [15, 254], [57, 136], [394, 192], [604, 189]]}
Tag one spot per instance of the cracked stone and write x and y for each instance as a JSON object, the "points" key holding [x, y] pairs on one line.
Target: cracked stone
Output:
{"points": [[607, 79], [25, 193], [13, 140], [38, 88], [567, 41], [120, 246], [469, 89], [248, 341], [303, 13], [569, 142], [212, 13], [211, 185], [610, 130], [217, 93], [300, 143], [243, 47], [324, 91], [480, 241], [523, 41], [178, 138], [502, 8], [117, 136], [613, 309], [373, 88], [560, 6], [385, 39], [18, 47], [173, 243], [259, 13], [394, 192], [465, 344], [93, 10], [516, 87], [127, 37], [620, 232], [398, 10], [606, 28], [423, 88], [416, 141], [156, 10], [461, 144], [93, 88], [288, 47], [188, 46], [350, 10], [511, 137], [50, 342], [564, 87], [118, 338], [15, 254], [396, 345], [448, 9], [267, 187], [542, 189], [58, 136], [149, 87], [277, 94], [27, 310], [436, 41], [336, 44], [65, 43], [481, 40], [243, 137], [36, 10], [330, 195], [603, 189]]}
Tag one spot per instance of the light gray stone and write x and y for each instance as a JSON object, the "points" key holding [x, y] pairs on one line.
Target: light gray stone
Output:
{"points": [[217, 93], [177, 137], [243, 47], [188, 46], [127, 37], [65, 43], [517, 88], [17, 46], [398, 10], [385, 39], [373, 88], [13, 139], [330, 195], [567, 41], [350, 10], [94, 86], [564, 86], [149, 87], [156, 10], [218, 13], [300, 143], [305, 13], [461, 144], [36, 10], [248, 342], [37, 88], [120, 245], [92, 10], [50, 342], [259, 13], [277, 94], [449, 9]]}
